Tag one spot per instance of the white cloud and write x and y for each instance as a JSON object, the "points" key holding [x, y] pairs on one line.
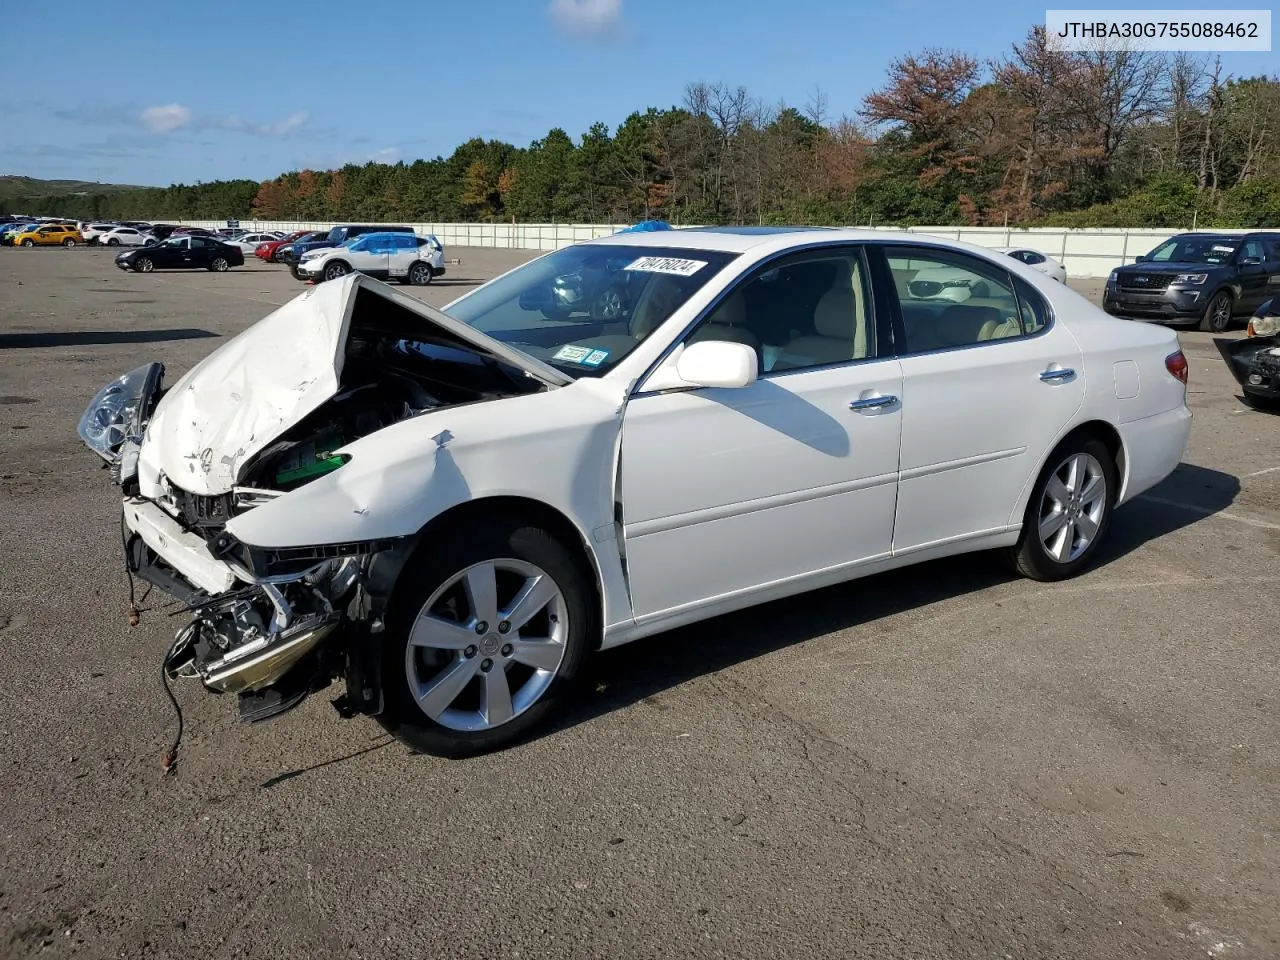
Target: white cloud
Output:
{"points": [[233, 121], [385, 155], [590, 19], [167, 118]]}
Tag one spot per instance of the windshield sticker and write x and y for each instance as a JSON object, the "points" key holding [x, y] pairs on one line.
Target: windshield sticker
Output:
{"points": [[571, 354], [595, 358], [1219, 248], [672, 265]]}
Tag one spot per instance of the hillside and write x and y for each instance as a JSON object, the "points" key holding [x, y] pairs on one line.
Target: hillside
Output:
{"points": [[14, 186]]}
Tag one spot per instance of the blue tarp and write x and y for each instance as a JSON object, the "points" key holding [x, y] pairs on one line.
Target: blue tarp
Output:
{"points": [[645, 226]]}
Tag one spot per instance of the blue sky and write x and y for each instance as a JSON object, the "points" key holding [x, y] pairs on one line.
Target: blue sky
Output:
{"points": [[190, 90]]}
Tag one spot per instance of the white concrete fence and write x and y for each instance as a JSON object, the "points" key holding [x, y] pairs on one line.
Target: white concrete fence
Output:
{"points": [[1084, 252]]}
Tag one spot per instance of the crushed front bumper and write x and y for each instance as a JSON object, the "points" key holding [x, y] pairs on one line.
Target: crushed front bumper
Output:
{"points": [[185, 553], [1255, 363]]}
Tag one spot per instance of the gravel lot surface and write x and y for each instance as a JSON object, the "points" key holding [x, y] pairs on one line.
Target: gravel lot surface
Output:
{"points": [[939, 762]]}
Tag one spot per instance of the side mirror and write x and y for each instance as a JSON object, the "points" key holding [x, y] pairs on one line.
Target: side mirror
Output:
{"points": [[1141, 258], [717, 363]]}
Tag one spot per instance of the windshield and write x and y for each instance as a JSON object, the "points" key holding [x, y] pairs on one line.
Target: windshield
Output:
{"points": [[584, 308], [1196, 250]]}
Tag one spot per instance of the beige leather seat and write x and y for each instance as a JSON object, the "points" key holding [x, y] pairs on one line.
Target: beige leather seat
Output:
{"points": [[839, 322], [1000, 329], [728, 322]]}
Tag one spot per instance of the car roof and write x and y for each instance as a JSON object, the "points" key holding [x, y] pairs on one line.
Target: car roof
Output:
{"points": [[742, 239]]}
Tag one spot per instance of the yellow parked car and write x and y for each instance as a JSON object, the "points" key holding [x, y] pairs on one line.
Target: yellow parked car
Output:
{"points": [[49, 234]]}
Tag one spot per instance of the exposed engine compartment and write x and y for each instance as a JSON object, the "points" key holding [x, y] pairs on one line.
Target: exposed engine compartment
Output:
{"points": [[394, 367]]}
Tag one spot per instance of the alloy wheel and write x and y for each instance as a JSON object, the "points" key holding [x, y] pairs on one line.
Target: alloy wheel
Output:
{"points": [[335, 270], [487, 644], [1071, 511], [145, 265], [420, 275], [1220, 313], [220, 265]]}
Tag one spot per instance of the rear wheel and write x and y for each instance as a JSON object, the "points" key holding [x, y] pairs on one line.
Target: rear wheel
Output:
{"points": [[220, 265], [144, 265], [484, 640], [69, 242], [420, 274], [1217, 315], [1068, 513], [336, 269]]}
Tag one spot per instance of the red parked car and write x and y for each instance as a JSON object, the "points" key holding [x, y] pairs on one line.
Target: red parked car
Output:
{"points": [[267, 251]]}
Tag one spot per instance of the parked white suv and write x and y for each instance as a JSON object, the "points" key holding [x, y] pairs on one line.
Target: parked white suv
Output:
{"points": [[400, 256], [92, 232]]}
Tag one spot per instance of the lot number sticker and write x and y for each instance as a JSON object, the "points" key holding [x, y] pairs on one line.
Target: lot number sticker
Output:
{"points": [[587, 356], [672, 265]]}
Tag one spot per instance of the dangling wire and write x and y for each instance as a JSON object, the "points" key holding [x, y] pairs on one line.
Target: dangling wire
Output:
{"points": [[170, 759], [135, 615]]}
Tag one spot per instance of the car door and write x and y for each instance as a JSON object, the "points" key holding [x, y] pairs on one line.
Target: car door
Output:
{"points": [[370, 254], [730, 491], [988, 383], [176, 253], [45, 235], [403, 251], [202, 252], [1251, 263]]}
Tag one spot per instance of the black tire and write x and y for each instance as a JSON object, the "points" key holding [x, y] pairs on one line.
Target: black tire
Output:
{"points": [[69, 242], [28, 242], [219, 265], [1029, 556], [495, 539], [112, 242], [1217, 313], [144, 265], [420, 274], [335, 269], [297, 273]]}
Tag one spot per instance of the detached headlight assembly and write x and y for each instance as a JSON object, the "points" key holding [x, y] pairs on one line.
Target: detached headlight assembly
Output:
{"points": [[119, 411], [1195, 279]]}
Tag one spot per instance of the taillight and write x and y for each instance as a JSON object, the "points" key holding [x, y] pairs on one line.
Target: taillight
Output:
{"points": [[1177, 365]]}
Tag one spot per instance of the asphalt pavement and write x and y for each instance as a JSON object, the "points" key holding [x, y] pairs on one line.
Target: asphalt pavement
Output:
{"points": [[939, 762]]}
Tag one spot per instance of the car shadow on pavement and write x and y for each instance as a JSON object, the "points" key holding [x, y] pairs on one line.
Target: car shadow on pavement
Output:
{"points": [[83, 338], [642, 670]]}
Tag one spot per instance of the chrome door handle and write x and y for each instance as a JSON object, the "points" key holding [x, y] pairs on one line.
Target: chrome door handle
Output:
{"points": [[1058, 376], [872, 403]]}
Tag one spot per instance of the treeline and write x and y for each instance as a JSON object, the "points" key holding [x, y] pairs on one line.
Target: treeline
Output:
{"points": [[1112, 138]]}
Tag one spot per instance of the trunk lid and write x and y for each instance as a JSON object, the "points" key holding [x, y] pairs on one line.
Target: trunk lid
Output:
{"points": [[247, 393]]}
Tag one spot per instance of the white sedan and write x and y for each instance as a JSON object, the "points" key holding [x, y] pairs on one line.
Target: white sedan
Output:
{"points": [[1037, 261], [387, 256], [249, 242], [451, 510], [124, 237]]}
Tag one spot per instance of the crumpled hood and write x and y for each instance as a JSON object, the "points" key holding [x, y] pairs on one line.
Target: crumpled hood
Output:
{"points": [[244, 395]]}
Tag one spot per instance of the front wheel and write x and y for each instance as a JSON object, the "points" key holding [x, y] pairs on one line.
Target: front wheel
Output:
{"points": [[144, 265], [220, 265], [112, 242], [28, 242], [1217, 315], [335, 270], [1068, 513], [484, 640]]}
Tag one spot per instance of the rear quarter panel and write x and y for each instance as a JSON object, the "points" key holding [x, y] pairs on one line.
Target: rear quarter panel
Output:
{"points": [[1128, 386]]}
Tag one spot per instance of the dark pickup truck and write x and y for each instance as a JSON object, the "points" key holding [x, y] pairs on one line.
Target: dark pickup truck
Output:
{"points": [[1203, 278], [336, 237]]}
